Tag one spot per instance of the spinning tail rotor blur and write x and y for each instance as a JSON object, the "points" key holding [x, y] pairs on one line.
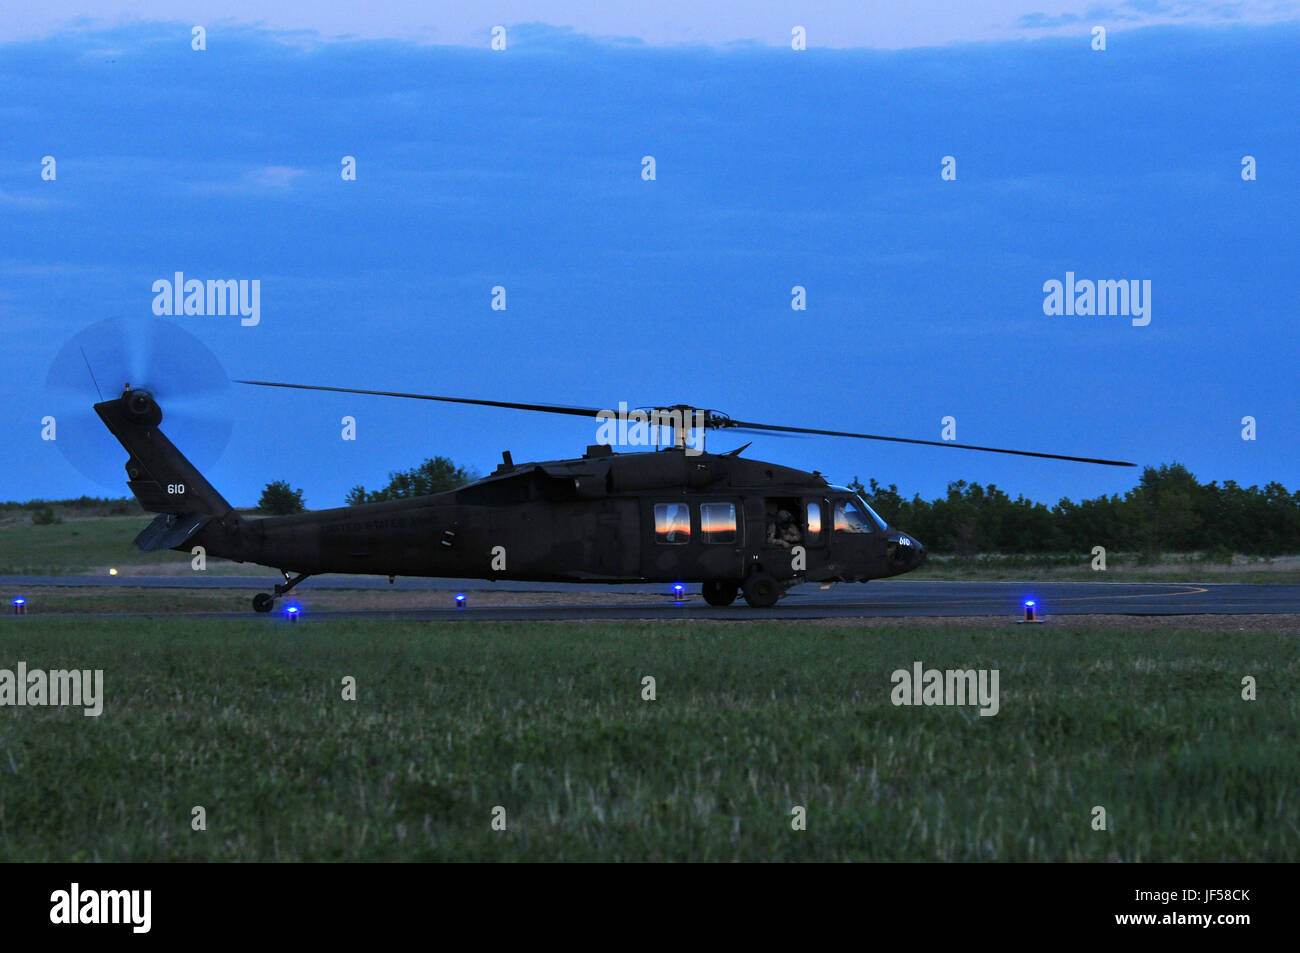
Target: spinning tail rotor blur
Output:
{"points": [[101, 360]]}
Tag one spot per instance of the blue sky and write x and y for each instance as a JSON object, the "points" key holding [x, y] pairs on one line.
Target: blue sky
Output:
{"points": [[841, 24], [775, 168]]}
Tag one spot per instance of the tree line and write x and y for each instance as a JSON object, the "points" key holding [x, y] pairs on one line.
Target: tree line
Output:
{"points": [[1168, 511]]}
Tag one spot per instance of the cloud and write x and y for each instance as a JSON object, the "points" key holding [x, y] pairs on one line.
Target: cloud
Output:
{"points": [[220, 179], [1136, 13], [533, 24], [24, 201], [274, 176]]}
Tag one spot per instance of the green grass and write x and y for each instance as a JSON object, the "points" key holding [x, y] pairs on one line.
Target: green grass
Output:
{"points": [[89, 545], [73, 546], [547, 720], [1121, 567]]}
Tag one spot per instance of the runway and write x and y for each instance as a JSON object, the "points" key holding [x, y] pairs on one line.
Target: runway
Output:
{"points": [[881, 598]]}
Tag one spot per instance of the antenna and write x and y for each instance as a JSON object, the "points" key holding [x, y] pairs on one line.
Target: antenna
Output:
{"points": [[92, 375]]}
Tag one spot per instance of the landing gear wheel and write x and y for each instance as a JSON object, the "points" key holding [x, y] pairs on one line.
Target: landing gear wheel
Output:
{"points": [[262, 602], [718, 592], [762, 591]]}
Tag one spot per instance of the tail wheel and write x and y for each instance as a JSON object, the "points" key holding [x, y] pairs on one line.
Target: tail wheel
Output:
{"points": [[720, 592], [262, 602], [762, 590]]}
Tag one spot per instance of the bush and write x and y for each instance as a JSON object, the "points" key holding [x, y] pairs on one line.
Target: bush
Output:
{"points": [[280, 499], [45, 516], [1216, 554]]}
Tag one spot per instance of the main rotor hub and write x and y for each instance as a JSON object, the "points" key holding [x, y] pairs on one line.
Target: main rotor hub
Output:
{"points": [[683, 418]]}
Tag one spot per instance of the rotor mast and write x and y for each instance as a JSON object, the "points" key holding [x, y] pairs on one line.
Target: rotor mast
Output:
{"points": [[681, 419]]}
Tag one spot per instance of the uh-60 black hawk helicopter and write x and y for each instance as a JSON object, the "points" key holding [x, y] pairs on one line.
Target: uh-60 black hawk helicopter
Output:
{"points": [[676, 515]]}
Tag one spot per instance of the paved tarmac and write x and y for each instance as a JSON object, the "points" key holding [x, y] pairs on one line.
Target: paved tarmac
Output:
{"points": [[881, 598]]}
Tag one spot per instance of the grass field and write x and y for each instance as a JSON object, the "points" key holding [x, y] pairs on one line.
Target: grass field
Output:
{"points": [[92, 545], [547, 721], [1120, 567]]}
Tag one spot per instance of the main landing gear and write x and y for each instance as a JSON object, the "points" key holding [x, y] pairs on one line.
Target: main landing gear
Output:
{"points": [[718, 592], [264, 601], [761, 589]]}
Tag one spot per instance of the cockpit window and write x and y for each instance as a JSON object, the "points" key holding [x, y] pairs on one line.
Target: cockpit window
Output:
{"points": [[851, 517], [857, 503], [873, 514]]}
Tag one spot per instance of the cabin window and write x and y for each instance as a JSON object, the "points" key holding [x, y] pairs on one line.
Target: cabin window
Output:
{"points": [[814, 521], [672, 524], [851, 517], [718, 522]]}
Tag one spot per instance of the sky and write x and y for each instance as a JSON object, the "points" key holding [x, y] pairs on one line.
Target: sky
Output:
{"points": [[839, 24], [775, 168]]}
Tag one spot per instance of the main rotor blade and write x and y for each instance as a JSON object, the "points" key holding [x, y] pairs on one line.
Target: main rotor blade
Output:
{"points": [[541, 408], [716, 422], [929, 443], [762, 432]]}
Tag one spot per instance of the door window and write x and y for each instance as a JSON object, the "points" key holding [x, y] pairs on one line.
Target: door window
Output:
{"points": [[718, 522], [672, 524], [814, 522]]}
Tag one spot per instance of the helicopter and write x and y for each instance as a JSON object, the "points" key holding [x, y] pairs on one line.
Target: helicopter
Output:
{"points": [[735, 525]]}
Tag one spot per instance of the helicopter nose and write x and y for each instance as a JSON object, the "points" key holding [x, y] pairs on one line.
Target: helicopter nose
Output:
{"points": [[906, 551]]}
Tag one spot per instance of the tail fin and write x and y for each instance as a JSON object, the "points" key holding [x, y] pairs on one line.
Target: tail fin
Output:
{"points": [[157, 473]]}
